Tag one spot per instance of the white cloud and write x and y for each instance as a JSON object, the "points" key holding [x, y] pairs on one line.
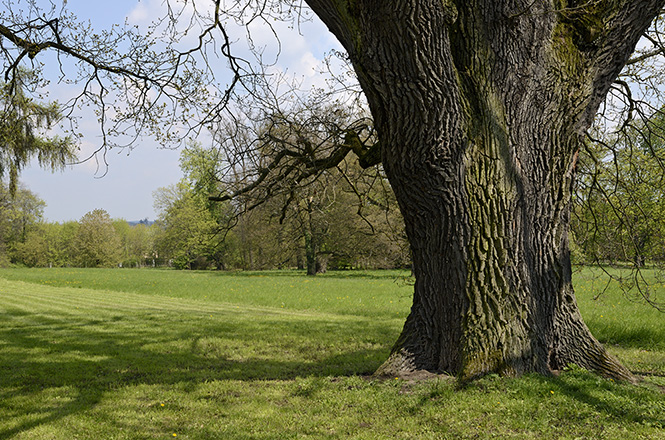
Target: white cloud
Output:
{"points": [[140, 15]]}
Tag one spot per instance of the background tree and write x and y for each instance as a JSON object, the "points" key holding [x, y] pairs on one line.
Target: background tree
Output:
{"points": [[622, 214], [194, 230], [346, 220], [620, 204], [367, 230], [62, 243], [187, 232], [34, 250], [287, 158], [22, 124], [20, 215], [136, 242], [96, 242], [199, 166], [316, 221]]}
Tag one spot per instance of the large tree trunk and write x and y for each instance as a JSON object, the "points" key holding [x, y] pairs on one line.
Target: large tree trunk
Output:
{"points": [[480, 107]]}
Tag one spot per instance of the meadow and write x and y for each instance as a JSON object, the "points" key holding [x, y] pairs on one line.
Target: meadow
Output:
{"points": [[156, 354]]}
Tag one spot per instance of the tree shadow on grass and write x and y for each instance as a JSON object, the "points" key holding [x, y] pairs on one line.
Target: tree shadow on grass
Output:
{"points": [[633, 337], [625, 402], [90, 356], [389, 274]]}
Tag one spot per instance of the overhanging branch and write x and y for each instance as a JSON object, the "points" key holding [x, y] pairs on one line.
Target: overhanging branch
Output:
{"points": [[308, 166]]}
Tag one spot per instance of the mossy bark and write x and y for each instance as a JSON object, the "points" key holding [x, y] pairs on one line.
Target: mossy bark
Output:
{"points": [[480, 106]]}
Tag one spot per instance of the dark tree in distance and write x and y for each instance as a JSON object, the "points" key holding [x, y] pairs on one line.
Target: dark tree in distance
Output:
{"points": [[480, 109], [294, 153]]}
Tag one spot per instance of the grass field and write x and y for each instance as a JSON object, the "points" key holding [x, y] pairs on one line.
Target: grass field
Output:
{"points": [[151, 354]]}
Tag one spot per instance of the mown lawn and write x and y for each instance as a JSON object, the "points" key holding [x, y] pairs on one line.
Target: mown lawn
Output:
{"points": [[151, 354]]}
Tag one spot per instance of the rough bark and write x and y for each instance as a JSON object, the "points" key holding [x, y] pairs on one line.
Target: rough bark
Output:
{"points": [[480, 106]]}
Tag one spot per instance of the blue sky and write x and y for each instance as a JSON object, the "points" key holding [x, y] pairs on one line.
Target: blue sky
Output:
{"points": [[125, 191]]}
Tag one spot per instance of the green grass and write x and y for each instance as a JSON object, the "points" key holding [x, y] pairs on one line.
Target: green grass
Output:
{"points": [[370, 294], [632, 330], [148, 354]]}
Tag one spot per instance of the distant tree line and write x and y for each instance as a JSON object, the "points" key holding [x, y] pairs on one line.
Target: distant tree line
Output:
{"points": [[344, 220], [321, 228], [343, 217], [313, 227], [95, 240]]}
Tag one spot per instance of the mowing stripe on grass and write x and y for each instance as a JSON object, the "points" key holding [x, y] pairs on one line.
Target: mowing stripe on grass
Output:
{"points": [[66, 300]]}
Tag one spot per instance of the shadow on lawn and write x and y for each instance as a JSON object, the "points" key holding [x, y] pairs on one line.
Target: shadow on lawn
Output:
{"points": [[633, 336], [91, 356], [389, 274], [623, 402]]}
